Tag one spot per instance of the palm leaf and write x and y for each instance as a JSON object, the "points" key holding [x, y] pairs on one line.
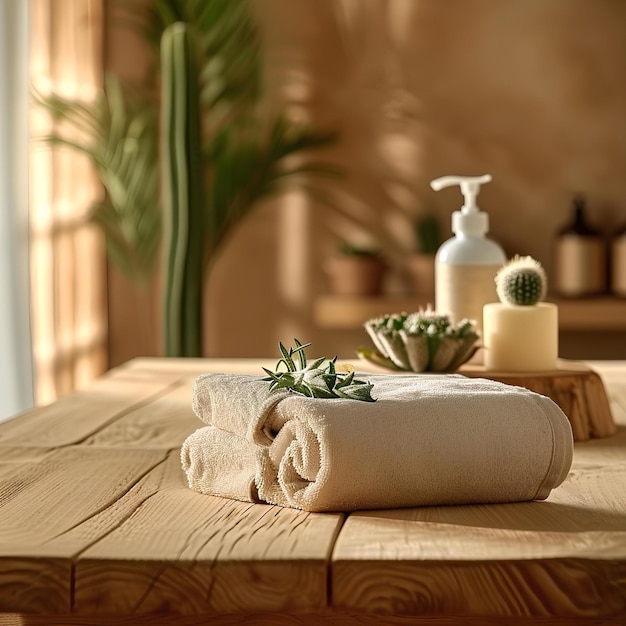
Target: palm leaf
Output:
{"points": [[229, 49], [119, 138], [244, 156]]}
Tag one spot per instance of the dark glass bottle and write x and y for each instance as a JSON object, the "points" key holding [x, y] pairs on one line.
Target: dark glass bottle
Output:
{"points": [[618, 262], [580, 256]]}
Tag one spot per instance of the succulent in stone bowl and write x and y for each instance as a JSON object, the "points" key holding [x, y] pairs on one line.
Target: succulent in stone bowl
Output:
{"points": [[423, 341]]}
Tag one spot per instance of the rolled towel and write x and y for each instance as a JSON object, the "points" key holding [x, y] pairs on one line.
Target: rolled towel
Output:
{"points": [[427, 440], [220, 463]]}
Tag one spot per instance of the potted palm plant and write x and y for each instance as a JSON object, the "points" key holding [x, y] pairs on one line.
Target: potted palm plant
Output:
{"points": [[356, 270], [220, 152]]}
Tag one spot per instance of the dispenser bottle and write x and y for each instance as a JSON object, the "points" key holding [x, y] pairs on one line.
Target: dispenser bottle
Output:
{"points": [[466, 264], [580, 256]]}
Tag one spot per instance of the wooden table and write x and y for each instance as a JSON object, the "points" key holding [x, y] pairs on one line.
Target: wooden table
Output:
{"points": [[97, 526]]}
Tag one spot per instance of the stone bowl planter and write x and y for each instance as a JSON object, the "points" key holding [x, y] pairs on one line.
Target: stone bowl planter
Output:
{"points": [[423, 341]]}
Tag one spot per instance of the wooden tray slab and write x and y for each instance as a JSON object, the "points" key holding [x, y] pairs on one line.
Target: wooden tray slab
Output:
{"points": [[576, 388]]}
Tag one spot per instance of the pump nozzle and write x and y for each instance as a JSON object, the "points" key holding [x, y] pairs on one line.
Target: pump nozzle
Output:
{"points": [[469, 219], [470, 188]]}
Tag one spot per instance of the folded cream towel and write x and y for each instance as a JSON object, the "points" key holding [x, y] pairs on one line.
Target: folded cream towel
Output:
{"points": [[428, 439]]}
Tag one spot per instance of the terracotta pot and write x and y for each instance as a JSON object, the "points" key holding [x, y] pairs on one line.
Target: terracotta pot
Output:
{"points": [[355, 275]]}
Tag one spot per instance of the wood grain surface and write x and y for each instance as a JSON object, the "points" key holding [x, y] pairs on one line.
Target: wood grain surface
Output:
{"points": [[333, 617], [564, 557], [95, 516], [98, 527], [186, 553], [74, 417]]}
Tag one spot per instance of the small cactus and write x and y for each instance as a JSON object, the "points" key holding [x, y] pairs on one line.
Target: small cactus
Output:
{"points": [[522, 281]]}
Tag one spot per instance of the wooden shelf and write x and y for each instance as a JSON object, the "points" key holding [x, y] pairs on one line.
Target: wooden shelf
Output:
{"points": [[349, 312]]}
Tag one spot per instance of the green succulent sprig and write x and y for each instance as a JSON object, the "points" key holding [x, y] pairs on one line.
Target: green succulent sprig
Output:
{"points": [[312, 379]]}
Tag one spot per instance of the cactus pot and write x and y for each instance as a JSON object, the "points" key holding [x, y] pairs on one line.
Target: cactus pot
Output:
{"points": [[357, 275]]}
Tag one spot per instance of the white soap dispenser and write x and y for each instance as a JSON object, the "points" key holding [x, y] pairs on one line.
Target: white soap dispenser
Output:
{"points": [[466, 264]]}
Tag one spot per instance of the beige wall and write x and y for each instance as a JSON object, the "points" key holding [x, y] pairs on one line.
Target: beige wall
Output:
{"points": [[531, 91]]}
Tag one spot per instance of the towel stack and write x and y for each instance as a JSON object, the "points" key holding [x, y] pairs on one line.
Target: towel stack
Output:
{"points": [[427, 440]]}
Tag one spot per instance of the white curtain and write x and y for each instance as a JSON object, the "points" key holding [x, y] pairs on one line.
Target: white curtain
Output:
{"points": [[67, 257], [16, 379]]}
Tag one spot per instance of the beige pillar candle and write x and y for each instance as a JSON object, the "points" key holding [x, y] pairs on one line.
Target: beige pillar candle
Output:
{"points": [[521, 338]]}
